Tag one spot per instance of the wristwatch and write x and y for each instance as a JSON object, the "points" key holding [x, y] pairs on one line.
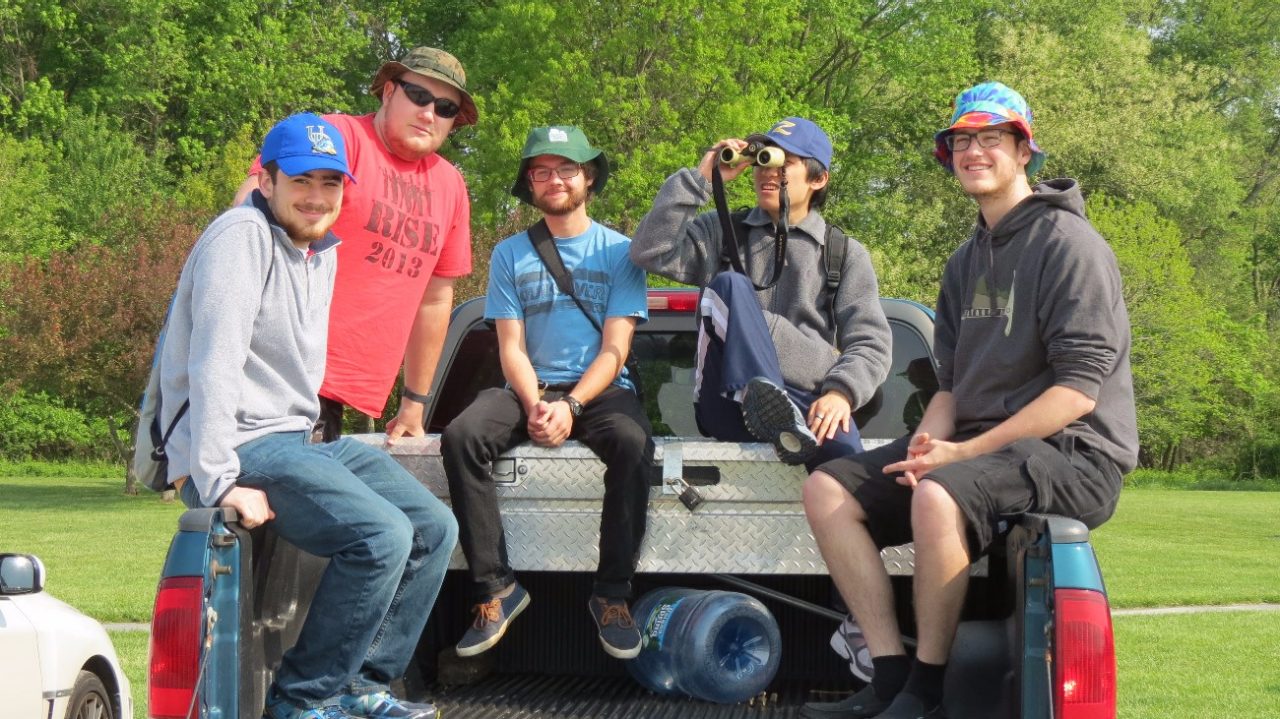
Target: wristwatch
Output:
{"points": [[575, 407], [410, 394]]}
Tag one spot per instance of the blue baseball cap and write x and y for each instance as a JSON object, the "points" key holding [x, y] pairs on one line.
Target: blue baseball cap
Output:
{"points": [[305, 142], [799, 136]]}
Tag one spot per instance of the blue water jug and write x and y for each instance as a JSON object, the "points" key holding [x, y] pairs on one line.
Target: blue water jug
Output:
{"points": [[719, 646]]}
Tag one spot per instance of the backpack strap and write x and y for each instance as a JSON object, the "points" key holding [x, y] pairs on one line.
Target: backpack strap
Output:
{"points": [[157, 453], [834, 249]]}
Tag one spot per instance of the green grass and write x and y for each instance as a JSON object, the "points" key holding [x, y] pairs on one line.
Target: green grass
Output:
{"points": [[131, 647], [102, 549], [1199, 666], [1179, 548], [1207, 479]]}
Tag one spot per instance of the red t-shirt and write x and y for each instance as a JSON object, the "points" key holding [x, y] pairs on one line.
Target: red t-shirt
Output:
{"points": [[401, 223]]}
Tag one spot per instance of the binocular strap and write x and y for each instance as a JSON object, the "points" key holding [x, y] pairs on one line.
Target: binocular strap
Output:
{"points": [[731, 248]]}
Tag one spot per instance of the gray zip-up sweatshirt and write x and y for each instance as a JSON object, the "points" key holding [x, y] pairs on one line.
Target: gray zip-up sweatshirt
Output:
{"points": [[245, 343], [1035, 302], [674, 241]]}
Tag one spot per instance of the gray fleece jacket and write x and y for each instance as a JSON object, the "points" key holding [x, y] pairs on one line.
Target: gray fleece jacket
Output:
{"points": [[674, 241], [1035, 302], [245, 343]]}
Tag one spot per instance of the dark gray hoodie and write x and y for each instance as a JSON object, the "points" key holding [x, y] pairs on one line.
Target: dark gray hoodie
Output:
{"points": [[1032, 303]]}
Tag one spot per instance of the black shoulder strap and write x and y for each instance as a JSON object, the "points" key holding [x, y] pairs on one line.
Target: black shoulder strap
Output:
{"points": [[833, 252], [545, 245], [729, 241]]}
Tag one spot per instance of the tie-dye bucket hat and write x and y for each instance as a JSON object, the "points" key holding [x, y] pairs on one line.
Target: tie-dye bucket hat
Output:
{"points": [[990, 103]]}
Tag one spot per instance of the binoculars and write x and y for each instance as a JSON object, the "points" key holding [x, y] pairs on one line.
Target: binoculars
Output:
{"points": [[756, 153]]}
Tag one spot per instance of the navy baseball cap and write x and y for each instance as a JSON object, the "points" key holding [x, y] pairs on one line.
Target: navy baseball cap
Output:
{"points": [[799, 136], [304, 142]]}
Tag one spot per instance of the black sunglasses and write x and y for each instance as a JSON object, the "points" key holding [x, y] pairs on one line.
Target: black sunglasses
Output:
{"points": [[420, 96]]}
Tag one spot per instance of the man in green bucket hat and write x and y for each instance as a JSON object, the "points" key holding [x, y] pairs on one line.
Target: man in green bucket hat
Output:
{"points": [[565, 299]]}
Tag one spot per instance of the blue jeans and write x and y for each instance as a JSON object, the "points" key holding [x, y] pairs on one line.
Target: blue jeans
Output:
{"points": [[388, 541], [734, 347]]}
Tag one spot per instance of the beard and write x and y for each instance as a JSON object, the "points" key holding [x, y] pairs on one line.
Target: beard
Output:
{"points": [[303, 231], [565, 205]]}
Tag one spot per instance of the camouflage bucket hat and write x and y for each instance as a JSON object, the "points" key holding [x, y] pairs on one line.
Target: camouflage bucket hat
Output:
{"points": [[565, 141], [433, 63]]}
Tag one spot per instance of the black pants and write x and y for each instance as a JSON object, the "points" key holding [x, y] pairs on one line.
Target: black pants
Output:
{"points": [[613, 426], [1057, 475]]}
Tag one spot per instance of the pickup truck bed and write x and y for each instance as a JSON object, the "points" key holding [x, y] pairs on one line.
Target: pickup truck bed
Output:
{"points": [[749, 534]]}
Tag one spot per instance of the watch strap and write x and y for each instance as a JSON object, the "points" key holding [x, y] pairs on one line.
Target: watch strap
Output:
{"points": [[410, 394]]}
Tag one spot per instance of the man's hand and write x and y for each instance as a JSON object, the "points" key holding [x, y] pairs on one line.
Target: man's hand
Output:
{"points": [[550, 423], [250, 504], [924, 455], [828, 413], [728, 172], [407, 422]]}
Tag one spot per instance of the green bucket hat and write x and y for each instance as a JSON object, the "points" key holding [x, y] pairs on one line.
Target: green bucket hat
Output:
{"points": [[563, 140], [433, 63]]}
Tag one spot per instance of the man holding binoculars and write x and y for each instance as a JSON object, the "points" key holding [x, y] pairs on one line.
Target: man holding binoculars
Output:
{"points": [[790, 344]]}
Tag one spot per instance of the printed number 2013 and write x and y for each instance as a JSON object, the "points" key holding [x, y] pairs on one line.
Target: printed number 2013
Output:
{"points": [[390, 259]]}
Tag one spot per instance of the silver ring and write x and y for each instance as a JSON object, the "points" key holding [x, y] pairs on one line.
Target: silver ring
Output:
{"points": [[820, 416]]}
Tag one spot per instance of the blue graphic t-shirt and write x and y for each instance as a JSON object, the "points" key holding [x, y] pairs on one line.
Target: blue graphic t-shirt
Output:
{"points": [[560, 340]]}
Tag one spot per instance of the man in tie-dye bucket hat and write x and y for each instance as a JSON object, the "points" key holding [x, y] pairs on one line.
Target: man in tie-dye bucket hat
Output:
{"points": [[987, 108], [1034, 410]]}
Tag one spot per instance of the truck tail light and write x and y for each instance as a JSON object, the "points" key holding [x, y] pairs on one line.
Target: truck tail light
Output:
{"points": [[175, 647], [673, 300], [1085, 663]]}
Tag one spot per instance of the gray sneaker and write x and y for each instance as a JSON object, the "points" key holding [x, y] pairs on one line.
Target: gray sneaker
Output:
{"points": [[771, 416], [618, 631], [493, 616]]}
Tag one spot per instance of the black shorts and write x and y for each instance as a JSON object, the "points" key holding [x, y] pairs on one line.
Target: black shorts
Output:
{"points": [[1058, 475]]}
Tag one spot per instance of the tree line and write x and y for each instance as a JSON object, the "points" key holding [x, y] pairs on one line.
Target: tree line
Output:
{"points": [[125, 126]]}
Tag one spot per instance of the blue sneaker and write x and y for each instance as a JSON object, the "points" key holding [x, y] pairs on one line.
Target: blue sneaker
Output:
{"points": [[618, 631], [771, 416], [493, 616], [382, 705], [280, 709]]}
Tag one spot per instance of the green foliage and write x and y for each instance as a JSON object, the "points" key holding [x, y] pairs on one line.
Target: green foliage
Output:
{"points": [[40, 426], [128, 119], [30, 208]]}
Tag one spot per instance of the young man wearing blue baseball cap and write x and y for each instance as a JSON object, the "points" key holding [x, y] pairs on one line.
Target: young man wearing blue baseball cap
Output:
{"points": [[240, 364], [564, 361], [1034, 410], [786, 361]]}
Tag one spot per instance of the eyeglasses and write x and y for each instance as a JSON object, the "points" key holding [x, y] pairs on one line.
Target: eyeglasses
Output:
{"points": [[542, 174], [420, 96], [959, 142]]}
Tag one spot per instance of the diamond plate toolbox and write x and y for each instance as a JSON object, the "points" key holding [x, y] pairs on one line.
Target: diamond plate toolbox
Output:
{"points": [[750, 521]]}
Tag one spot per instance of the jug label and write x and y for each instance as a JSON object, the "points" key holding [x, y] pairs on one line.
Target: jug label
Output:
{"points": [[655, 629]]}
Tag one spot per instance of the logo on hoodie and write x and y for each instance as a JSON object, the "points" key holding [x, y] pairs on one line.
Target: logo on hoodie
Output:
{"points": [[990, 303]]}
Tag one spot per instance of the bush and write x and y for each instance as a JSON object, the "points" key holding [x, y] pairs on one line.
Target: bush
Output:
{"points": [[41, 427]]}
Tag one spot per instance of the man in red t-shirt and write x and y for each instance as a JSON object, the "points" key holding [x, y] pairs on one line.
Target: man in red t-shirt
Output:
{"points": [[405, 228]]}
